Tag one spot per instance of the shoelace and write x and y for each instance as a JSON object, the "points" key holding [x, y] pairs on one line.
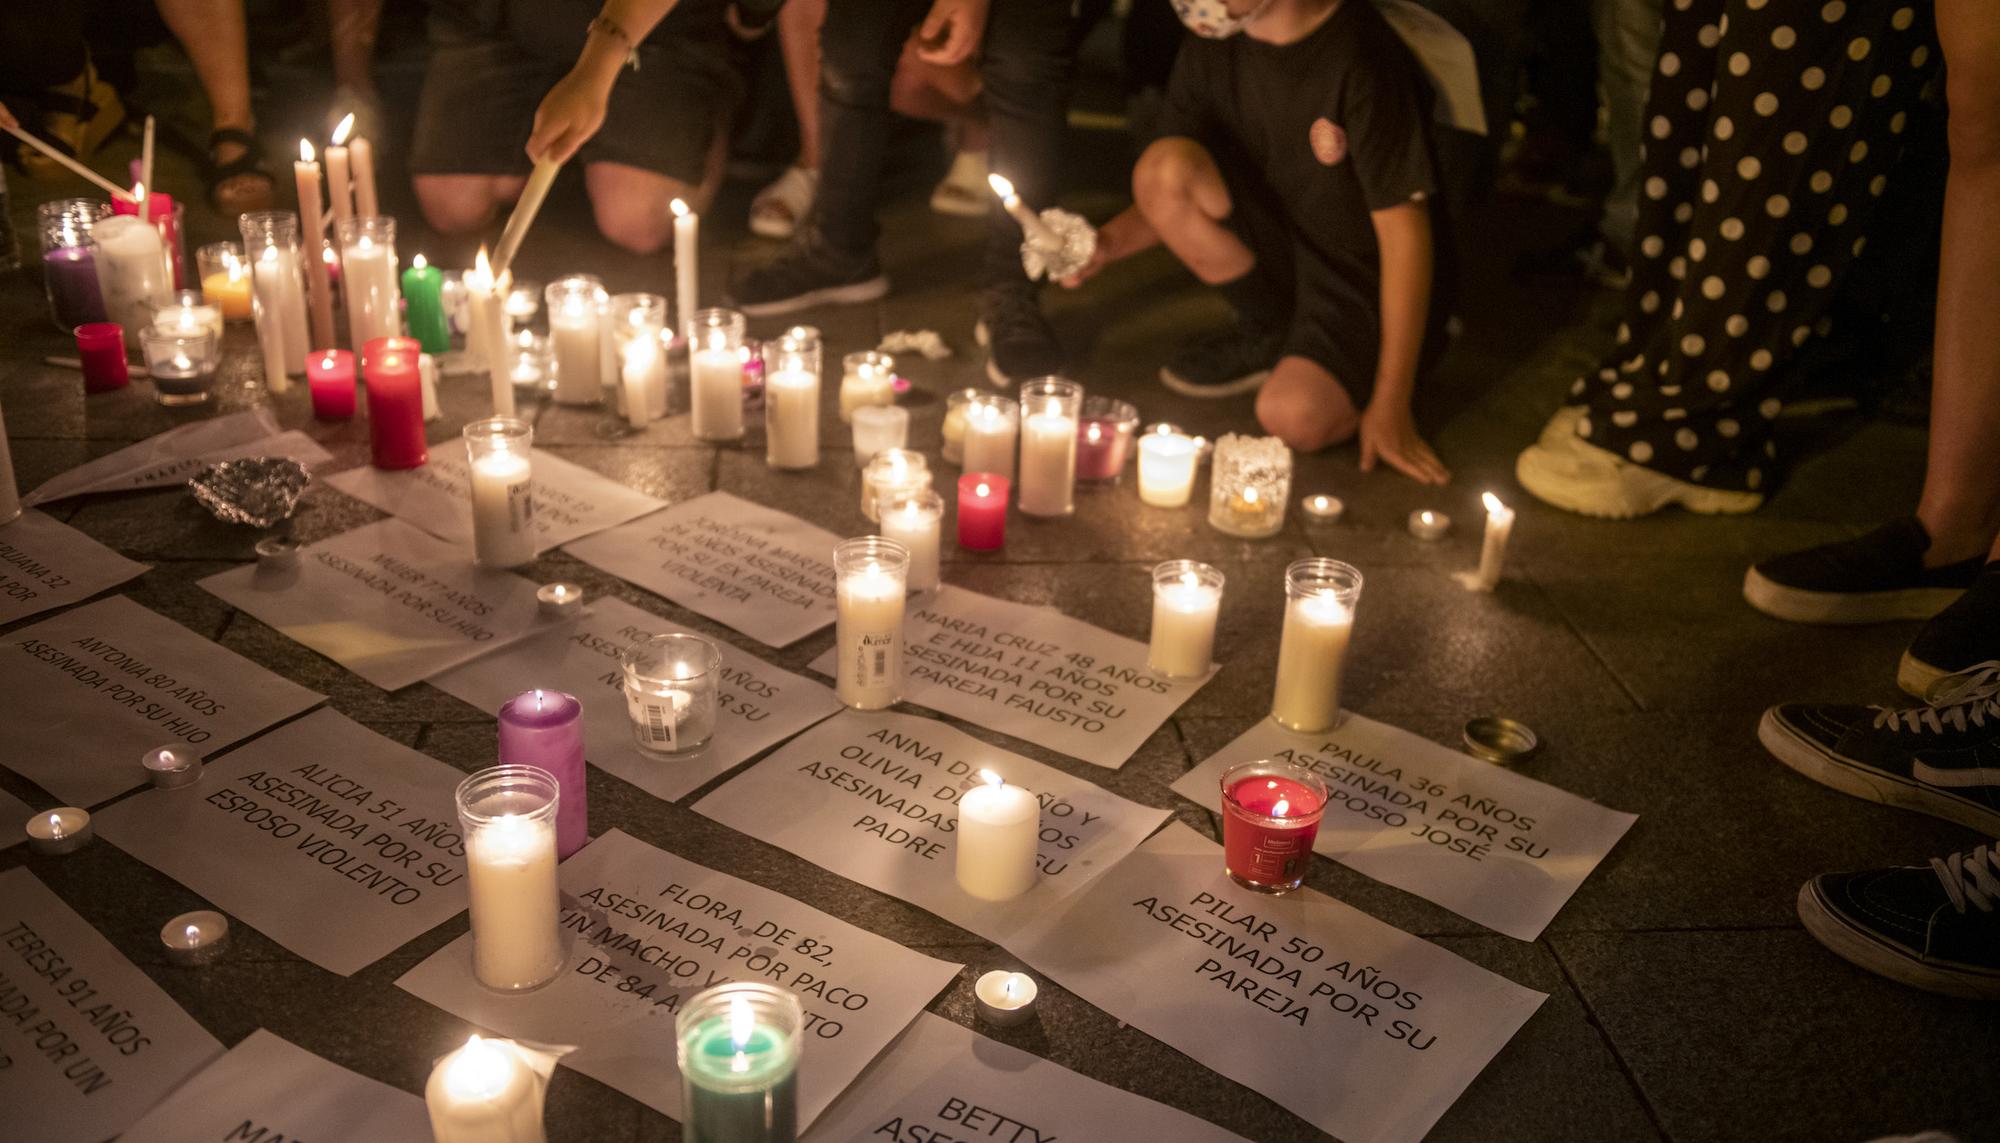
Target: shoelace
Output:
{"points": [[1970, 877], [1970, 696]]}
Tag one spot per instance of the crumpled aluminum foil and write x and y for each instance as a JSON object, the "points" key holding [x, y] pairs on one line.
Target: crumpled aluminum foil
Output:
{"points": [[1079, 242], [258, 490]]}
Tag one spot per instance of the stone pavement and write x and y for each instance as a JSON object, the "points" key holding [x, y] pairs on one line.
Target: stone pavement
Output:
{"points": [[1686, 1003]]}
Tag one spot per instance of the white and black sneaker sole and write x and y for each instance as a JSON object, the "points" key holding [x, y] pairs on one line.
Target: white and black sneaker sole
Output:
{"points": [[1860, 947], [847, 295], [1840, 608], [1807, 757], [1248, 383]]}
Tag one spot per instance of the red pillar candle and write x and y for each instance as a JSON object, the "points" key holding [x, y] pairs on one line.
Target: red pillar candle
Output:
{"points": [[330, 375], [982, 511], [395, 402], [1270, 816], [101, 346], [545, 728]]}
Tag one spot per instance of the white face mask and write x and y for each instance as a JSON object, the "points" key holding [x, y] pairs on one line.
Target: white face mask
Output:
{"points": [[1210, 19]]}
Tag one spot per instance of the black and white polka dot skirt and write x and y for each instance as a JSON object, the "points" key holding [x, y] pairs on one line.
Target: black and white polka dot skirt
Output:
{"points": [[1771, 131]]}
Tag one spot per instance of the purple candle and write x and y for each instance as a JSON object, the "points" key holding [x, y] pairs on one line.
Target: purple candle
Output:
{"points": [[1103, 437], [545, 728], [70, 275]]}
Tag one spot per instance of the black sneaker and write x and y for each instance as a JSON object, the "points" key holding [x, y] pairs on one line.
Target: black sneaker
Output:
{"points": [[1870, 579], [809, 273], [1933, 928], [1227, 363], [1956, 639], [1943, 760], [1019, 344]]}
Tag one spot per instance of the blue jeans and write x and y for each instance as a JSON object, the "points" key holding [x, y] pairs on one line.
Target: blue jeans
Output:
{"points": [[1628, 42]]}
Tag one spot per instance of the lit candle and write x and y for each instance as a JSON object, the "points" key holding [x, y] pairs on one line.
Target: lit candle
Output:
{"points": [[229, 288], [687, 265], [188, 316], [171, 767], [1005, 998], [1249, 486], [64, 829], [131, 272], [339, 186], [1104, 439], [545, 729], [278, 293], [1312, 650], [866, 378], [891, 473], [1429, 526], [1270, 816], [69, 269], [1032, 227], [738, 1050], [1048, 447], [486, 331], [577, 306], [992, 435], [643, 379], [716, 381], [869, 621], [395, 403], [507, 816], [368, 278], [791, 399], [277, 554], [503, 491], [1166, 468], [982, 511], [559, 600], [423, 305], [952, 431], [1492, 553], [100, 350], [158, 210], [913, 520], [195, 938], [879, 427], [330, 378], [999, 830], [485, 1092], [1322, 509], [319, 286], [1187, 598]]}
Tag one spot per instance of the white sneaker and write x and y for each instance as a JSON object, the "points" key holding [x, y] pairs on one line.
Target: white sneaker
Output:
{"points": [[1562, 424], [779, 208], [1582, 478], [963, 190]]}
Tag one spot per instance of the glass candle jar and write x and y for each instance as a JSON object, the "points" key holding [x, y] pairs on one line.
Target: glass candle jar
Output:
{"points": [[523, 305], [368, 278], [277, 290], [187, 312], [791, 398], [893, 472], [1270, 816], [914, 519], [870, 574], [182, 364], [1046, 485], [580, 336], [636, 322], [671, 687], [992, 434], [715, 374], [866, 378], [498, 450], [530, 363], [1167, 462], [878, 427], [1187, 600], [1249, 486], [1104, 439], [1320, 595], [953, 429], [738, 1050], [69, 260], [507, 815], [225, 279]]}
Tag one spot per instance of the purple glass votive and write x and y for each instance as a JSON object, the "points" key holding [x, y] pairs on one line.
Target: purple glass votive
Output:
{"points": [[545, 729], [1104, 430], [69, 273]]}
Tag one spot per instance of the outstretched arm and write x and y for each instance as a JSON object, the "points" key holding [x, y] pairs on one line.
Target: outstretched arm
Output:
{"points": [[1388, 430], [573, 110]]}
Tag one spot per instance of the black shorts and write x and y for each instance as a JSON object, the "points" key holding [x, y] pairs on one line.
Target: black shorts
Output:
{"points": [[491, 64]]}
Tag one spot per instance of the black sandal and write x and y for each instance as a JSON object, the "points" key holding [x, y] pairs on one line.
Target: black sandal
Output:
{"points": [[250, 162]]}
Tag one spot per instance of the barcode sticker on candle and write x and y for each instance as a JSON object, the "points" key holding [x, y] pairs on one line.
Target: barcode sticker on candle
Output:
{"points": [[655, 719], [873, 659]]}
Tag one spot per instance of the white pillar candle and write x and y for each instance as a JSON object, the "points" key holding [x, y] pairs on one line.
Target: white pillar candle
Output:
{"points": [[1187, 598], [1166, 469], [879, 427], [866, 378], [485, 1092], [310, 240], [362, 154], [999, 830], [892, 473], [1047, 486], [687, 265], [10, 493], [486, 330], [869, 598], [427, 386], [576, 332], [1312, 650], [503, 492], [278, 286], [717, 396], [511, 879], [1493, 552], [132, 273], [340, 192], [643, 373], [368, 279], [791, 419], [992, 433], [913, 520]]}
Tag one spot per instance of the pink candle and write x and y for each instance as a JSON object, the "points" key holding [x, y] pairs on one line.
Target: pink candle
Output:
{"points": [[545, 729], [1104, 438], [982, 511], [330, 376], [395, 402], [101, 346]]}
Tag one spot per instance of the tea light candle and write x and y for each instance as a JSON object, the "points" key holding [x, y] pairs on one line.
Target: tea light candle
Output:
{"points": [[671, 692], [999, 831], [1005, 998], [869, 595], [893, 472], [182, 365], [913, 520], [982, 511], [716, 375], [330, 378], [1048, 447], [503, 491], [195, 938], [738, 1050], [992, 432], [578, 335], [544, 729], [507, 815], [1429, 526], [1312, 650], [485, 1092], [1321, 508], [368, 278], [1493, 552], [791, 399], [866, 378], [65, 829], [560, 600], [171, 767], [1249, 486], [1187, 599], [395, 402], [953, 429], [277, 553], [879, 427]]}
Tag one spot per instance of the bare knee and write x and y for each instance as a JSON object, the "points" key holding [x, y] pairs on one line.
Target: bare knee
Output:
{"points": [[1304, 406], [641, 227], [457, 204], [1164, 178]]}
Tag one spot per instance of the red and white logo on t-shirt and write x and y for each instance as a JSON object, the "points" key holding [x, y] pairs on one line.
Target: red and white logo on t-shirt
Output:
{"points": [[1329, 143]]}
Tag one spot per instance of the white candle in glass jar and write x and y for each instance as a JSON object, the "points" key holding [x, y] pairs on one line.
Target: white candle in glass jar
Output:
{"points": [[1166, 469], [991, 435], [132, 273], [1047, 486], [503, 509], [511, 876], [791, 419], [913, 521], [717, 396], [576, 331], [278, 286], [1184, 615], [485, 1092], [368, 283], [869, 635], [999, 831], [644, 373], [1312, 652], [866, 385]]}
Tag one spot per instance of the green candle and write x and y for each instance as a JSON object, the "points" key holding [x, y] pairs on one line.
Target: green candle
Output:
{"points": [[739, 1061], [423, 299]]}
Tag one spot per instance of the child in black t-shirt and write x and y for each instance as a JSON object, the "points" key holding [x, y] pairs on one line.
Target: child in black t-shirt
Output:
{"points": [[1294, 173]]}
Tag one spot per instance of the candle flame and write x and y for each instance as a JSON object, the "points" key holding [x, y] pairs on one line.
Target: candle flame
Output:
{"points": [[1095, 432], [1427, 516], [1320, 502], [139, 193], [982, 491], [1250, 495], [56, 830], [327, 255], [1281, 808], [480, 1070], [1492, 503], [1191, 579], [305, 151], [418, 262], [193, 936], [991, 779], [1001, 186], [680, 208], [742, 1022], [343, 129]]}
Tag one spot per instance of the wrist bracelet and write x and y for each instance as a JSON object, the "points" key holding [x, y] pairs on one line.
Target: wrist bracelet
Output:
{"points": [[608, 26]]}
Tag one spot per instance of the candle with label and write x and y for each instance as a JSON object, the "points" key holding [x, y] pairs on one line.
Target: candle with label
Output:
{"points": [[738, 1050], [1187, 599], [319, 286], [1312, 650], [982, 511], [503, 491], [687, 266], [423, 305], [1167, 460], [395, 402], [869, 593], [866, 378], [1270, 816], [195, 938], [912, 519], [1047, 485], [544, 729], [791, 399], [507, 816], [485, 1092], [368, 278], [671, 692], [999, 831], [278, 292], [715, 368], [1493, 551], [992, 434], [577, 309]]}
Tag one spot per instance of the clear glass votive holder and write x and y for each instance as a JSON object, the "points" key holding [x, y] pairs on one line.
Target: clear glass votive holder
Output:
{"points": [[225, 279], [953, 429], [369, 286], [866, 378], [507, 815], [915, 520], [523, 305], [1104, 439], [893, 472], [1320, 596], [1167, 463], [69, 261], [1187, 601], [792, 363], [1249, 485], [1046, 482], [636, 323], [992, 435], [182, 364], [1270, 816], [671, 688], [871, 576], [879, 427], [499, 454], [530, 362], [715, 374], [187, 312], [738, 1049]]}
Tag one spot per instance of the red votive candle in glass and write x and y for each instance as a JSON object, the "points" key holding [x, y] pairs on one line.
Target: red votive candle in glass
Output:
{"points": [[1270, 816], [101, 346], [330, 376], [982, 511], [545, 729], [395, 402]]}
